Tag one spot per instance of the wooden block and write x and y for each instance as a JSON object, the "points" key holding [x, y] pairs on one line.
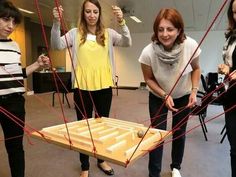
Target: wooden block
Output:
{"points": [[114, 140]]}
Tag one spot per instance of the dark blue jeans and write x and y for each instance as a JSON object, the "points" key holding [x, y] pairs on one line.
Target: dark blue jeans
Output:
{"points": [[230, 120], [102, 102], [155, 156], [16, 106]]}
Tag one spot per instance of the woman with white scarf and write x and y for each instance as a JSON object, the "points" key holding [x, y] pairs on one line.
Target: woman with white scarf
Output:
{"points": [[163, 63], [229, 70]]}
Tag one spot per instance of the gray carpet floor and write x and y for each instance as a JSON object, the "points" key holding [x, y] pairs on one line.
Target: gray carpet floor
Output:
{"points": [[202, 158]]}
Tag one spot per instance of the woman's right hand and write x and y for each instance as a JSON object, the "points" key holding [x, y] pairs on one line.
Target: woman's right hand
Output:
{"points": [[223, 69], [57, 12], [170, 103], [118, 13]]}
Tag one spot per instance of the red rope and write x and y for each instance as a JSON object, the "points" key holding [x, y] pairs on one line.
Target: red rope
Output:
{"points": [[73, 68], [64, 29], [203, 38], [186, 118], [183, 122], [189, 61], [19, 122], [190, 130], [53, 72]]}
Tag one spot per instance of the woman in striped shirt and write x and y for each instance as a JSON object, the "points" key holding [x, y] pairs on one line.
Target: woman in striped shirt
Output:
{"points": [[12, 88]]}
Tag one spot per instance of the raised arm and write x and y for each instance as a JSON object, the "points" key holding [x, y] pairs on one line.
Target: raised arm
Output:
{"points": [[123, 39], [57, 41]]}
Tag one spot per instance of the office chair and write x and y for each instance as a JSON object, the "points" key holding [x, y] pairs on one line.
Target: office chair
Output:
{"points": [[204, 84], [64, 87], [143, 86], [201, 111], [213, 84], [224, 135], [116, 84], [216, 95]]}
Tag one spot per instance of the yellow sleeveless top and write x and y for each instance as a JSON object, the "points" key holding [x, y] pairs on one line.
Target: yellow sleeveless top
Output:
{"points": [[93, 71]]}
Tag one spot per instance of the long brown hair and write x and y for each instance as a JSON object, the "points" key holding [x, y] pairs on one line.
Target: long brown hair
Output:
{"points": [[231, 21], [100, 29], [175, 18]]}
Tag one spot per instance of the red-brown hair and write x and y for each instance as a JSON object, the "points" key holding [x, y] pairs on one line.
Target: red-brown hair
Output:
{"points": [[175, 18]]}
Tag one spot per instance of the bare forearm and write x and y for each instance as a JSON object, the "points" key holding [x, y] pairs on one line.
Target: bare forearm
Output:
{"points": [[31, 68], [151, 81], [195, 77], [196, 73], [42, 61], [154, 86]]}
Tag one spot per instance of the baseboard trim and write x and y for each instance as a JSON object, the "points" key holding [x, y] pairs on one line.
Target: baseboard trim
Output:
{"points": [[126, 87]]}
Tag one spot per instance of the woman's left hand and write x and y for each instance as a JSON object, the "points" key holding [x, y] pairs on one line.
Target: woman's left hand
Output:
{"points": [[192, 99], [223, 69], [118, 13]]}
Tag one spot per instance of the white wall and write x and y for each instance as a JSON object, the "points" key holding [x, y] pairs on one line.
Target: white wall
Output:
{"points": [[211, 47], [128, 68]]}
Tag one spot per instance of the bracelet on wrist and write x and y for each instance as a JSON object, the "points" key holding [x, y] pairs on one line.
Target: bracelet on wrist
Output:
{"points": [[164, 96], [195, 88]]}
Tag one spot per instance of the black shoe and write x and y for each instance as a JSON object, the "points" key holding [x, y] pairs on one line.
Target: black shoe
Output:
{"points": [[107, 172]]}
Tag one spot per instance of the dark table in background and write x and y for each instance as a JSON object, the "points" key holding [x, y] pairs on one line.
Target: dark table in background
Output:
{"points": [[44, 82]]}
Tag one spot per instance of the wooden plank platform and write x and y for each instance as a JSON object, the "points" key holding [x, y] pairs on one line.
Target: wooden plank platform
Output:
{"points": [[114, 140]]}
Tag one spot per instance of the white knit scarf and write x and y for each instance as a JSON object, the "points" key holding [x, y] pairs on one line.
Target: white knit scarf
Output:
{"points": [[168, 57]]}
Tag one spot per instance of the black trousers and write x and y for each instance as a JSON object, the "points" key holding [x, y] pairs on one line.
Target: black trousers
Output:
{"points": [[13, 133], [155, 156], [230, 120], [102, 100]]}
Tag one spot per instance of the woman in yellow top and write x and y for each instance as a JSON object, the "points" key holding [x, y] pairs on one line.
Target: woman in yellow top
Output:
{"points": [[92, 56]]}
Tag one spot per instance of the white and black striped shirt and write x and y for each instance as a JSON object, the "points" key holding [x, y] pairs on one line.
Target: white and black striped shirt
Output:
{"points": [[11, 72]]}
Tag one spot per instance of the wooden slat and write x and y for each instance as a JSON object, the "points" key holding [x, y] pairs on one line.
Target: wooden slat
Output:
{"points": [[115, 140]]}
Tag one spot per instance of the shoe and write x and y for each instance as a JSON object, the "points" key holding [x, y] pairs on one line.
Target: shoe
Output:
{"points": [[107, 172], [84, 174], [175, 173]]}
